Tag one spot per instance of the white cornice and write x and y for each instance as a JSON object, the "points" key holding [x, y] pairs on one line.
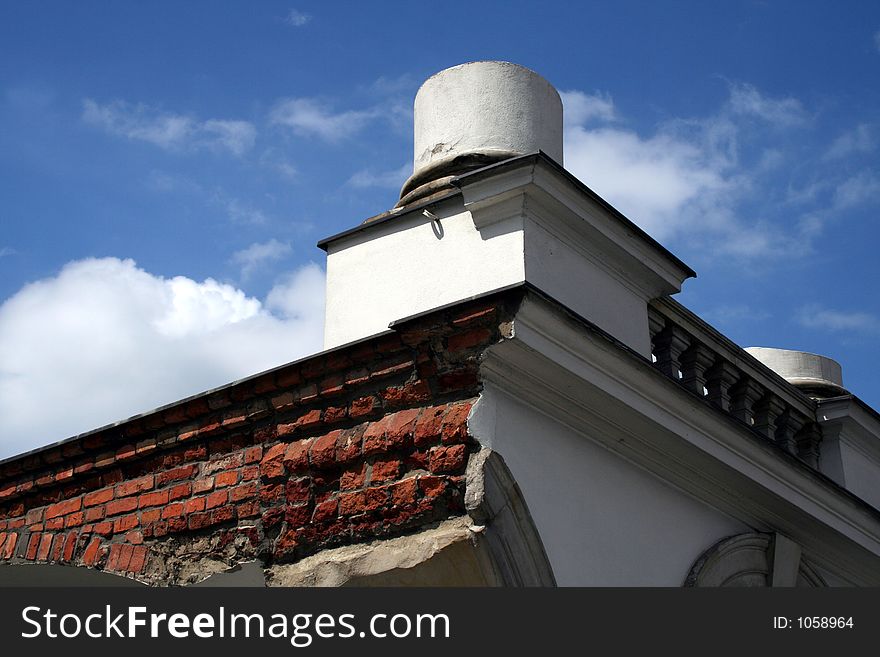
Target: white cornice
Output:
{"points": [[596, 387]]}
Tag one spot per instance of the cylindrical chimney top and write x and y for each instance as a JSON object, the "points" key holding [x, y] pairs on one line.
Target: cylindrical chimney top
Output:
{"points": [[818, 376], [475, 114]]}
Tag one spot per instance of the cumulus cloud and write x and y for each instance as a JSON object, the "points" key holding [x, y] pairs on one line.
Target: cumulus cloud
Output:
{"points": [[392, 179], [858, 140], [172, 132], [104, 339], [296, 18], [818, 317], [693, 182], [580, 108], [259, 254], [311, 118], [745, 99]]}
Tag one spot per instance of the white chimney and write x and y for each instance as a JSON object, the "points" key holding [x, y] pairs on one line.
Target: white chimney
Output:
{"points": [[818, 376], [484, 210], [475, 114]]}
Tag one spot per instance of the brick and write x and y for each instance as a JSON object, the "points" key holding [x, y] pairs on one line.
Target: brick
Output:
{"points": [[362, 406], [44, 547], [297, 516], [226, 479], [428, 426], [223, 514], [176, 474], [134, 537], [323, 452], [98, 497], [399, 428], [353, 478], [455, 423], [446, 459], [172, 511], [74, 519], [385, 470], [57, 547], [284, 401], [308, 420], [287, 378], [92, 553], [243, 492], [217, 498], [253, 454], [296, 457], [9, 547], [229, 462], [124, 523], [203, 485], [468, 339], [194, 505], [416, 392], [54, 523], [103, 528], [394, 368], [298, 490], [272, 464], [334, 414], [432, 487], [94, 513], [249, 509], [135, 486], [150, 515], [180, 491], [351, 503], [404, 492], [331, 385], [69, 546], [34, 516], [325, 511], [461, 379], [348, 445], [124, 505], [138, 559], [250, 472], [471, 317], [156, 498]]}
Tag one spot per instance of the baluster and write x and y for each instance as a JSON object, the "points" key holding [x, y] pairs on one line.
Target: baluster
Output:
{"points": [[668, 346], [808, 440], [694, 363], [766, 412], [743, 397], [787, 425], [719, 378]]}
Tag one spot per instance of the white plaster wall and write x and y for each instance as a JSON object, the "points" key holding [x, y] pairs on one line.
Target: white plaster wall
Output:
{"points": [[406, 266], [860, 473], [555, 267], [604, 522]]}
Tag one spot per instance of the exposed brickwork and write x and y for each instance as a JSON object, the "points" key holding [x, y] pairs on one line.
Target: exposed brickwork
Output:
{"points": [[365, 441]]}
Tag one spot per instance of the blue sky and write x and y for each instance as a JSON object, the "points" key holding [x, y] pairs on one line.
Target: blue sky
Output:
{"points": [[167, 167]]}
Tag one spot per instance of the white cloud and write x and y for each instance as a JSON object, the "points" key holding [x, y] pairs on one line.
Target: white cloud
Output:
{"points": [[104, 339], [238, 211], [259, 254], [858, 140], [816, 316], [857, 190], [392, 179], [580, 108], [745, 99], [309, 117], [296, 18], [173, 132], [7, 251]]}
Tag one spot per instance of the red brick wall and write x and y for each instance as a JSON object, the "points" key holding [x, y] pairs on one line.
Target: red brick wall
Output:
{"points": [[364, 441]]}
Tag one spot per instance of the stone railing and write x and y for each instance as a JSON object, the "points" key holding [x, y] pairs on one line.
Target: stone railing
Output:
{"points": [[709, 365]]}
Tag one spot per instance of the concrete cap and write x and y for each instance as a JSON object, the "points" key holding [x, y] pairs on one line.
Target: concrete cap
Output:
{"points": [[803, 369], [475, 114]]}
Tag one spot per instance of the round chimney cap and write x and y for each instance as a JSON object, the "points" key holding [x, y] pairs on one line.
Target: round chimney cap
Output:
{"points": [[817, 375], [475, 114]]}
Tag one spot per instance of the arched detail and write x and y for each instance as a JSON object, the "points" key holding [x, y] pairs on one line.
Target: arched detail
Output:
{"points": [[514, 552], [753, 560]]}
